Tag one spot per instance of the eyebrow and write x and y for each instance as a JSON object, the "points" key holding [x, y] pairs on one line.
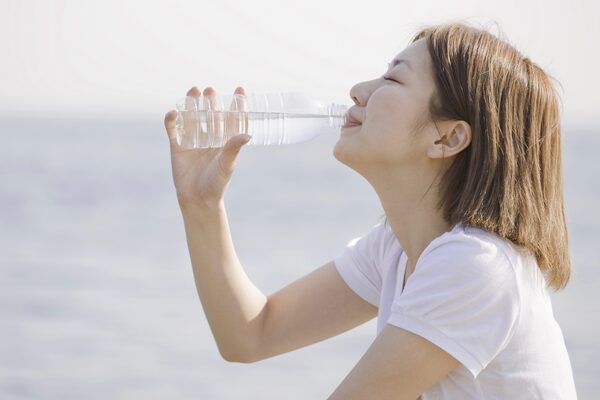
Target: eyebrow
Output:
{"points": [[397, 61]]}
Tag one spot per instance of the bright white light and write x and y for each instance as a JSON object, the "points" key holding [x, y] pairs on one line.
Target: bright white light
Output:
{"points": [[136, 58]]}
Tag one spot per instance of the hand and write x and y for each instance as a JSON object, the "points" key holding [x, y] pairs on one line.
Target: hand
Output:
{"points": [[201, 176]]}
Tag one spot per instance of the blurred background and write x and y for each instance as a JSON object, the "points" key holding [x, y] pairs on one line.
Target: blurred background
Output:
{"points": [[97, 298]]}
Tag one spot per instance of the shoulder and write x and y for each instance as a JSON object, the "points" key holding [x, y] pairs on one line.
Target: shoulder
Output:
{"points": [[463, 288], [471, 253], [379, 239]]}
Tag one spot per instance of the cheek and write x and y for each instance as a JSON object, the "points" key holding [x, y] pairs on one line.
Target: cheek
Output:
{"points": [[389, 110], [358, 146], [385, 136], [395, 121]]}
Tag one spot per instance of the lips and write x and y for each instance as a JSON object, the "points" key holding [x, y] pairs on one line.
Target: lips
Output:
{"points": [[349, 120]]}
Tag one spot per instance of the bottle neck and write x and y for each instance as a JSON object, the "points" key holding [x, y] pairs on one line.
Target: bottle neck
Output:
{"points": [[336, 114], [337, 110]]}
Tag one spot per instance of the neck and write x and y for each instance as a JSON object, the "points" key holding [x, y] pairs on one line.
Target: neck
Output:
{"points": [[412, 216]]}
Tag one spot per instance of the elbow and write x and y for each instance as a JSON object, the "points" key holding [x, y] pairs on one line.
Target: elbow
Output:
{"points": [[246, 349], [232, 358], [236, 357]]}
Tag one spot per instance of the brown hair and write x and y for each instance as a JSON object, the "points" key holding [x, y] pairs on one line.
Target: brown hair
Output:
{"points": [[509, 179]]}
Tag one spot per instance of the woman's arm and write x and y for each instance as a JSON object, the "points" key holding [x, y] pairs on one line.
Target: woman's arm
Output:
{"points": [[398, 365], [234, 307], [247, 325], [313, 308]]}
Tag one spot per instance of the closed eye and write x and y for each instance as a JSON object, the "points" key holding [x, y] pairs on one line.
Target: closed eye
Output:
{"points": [[390, 79]]}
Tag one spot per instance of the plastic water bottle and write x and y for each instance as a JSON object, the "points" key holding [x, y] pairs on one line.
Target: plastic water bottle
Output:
{"points": [[271, 119]]}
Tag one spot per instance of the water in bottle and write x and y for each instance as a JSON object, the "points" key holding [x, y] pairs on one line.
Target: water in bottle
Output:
{"points": [[271, 119]]}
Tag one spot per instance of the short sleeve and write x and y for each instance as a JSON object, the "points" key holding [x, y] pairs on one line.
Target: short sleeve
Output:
{"points": [[463, 297], [360, 264]]}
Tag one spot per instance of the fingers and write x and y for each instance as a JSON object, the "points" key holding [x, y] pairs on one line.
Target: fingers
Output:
{"points": [[219, 123], [213, 118], [242, 106], [210, 94], [238, 103], [194, 92], [240, 90], [170, 118], [230, 152], [236, 118], [188, 124]]}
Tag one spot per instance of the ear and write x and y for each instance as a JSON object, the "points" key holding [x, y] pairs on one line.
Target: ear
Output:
{"points": [[455, 138]]}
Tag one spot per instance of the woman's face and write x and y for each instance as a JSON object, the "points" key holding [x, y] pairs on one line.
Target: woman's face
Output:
{"points": [[393, 110]]}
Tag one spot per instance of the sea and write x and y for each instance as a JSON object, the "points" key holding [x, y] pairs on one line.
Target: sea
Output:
{"points": [[97, 297]]}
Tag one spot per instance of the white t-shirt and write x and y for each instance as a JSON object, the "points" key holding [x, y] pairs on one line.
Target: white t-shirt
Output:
{"points": [[476, 295]]}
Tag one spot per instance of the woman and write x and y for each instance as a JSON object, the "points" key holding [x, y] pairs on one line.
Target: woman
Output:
{"points": [[460, 138]]}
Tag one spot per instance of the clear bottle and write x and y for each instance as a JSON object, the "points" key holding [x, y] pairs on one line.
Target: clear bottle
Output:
{"points": [[271, 119]]}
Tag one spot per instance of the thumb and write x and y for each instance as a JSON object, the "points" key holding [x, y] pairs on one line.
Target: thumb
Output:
{"points": [[231, 151]]}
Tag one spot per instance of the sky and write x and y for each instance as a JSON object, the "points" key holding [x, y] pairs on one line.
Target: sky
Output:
{"points": [[138, 58]]}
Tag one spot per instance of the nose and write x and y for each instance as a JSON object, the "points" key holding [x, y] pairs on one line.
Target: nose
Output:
{"points": [[361, 92], [356, 96]]}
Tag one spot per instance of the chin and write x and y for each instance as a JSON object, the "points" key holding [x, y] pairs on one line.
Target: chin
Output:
{"points": [[345, 152], [338, 151]]}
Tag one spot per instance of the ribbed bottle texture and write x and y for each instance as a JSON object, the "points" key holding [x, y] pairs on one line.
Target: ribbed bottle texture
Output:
{"points": [[271, 119]]}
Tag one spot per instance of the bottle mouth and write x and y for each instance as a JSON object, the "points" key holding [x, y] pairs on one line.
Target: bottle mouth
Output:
{"points": [[337, 115]]}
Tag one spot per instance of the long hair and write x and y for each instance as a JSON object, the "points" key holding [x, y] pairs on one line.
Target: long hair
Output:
{"points": [[509, 179]]}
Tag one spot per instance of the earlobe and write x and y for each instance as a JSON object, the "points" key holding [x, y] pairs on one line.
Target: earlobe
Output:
{"points": [[455, 140]]}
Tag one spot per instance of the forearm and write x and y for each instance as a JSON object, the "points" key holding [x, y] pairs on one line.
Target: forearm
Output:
{"points": [[233, 305]]}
